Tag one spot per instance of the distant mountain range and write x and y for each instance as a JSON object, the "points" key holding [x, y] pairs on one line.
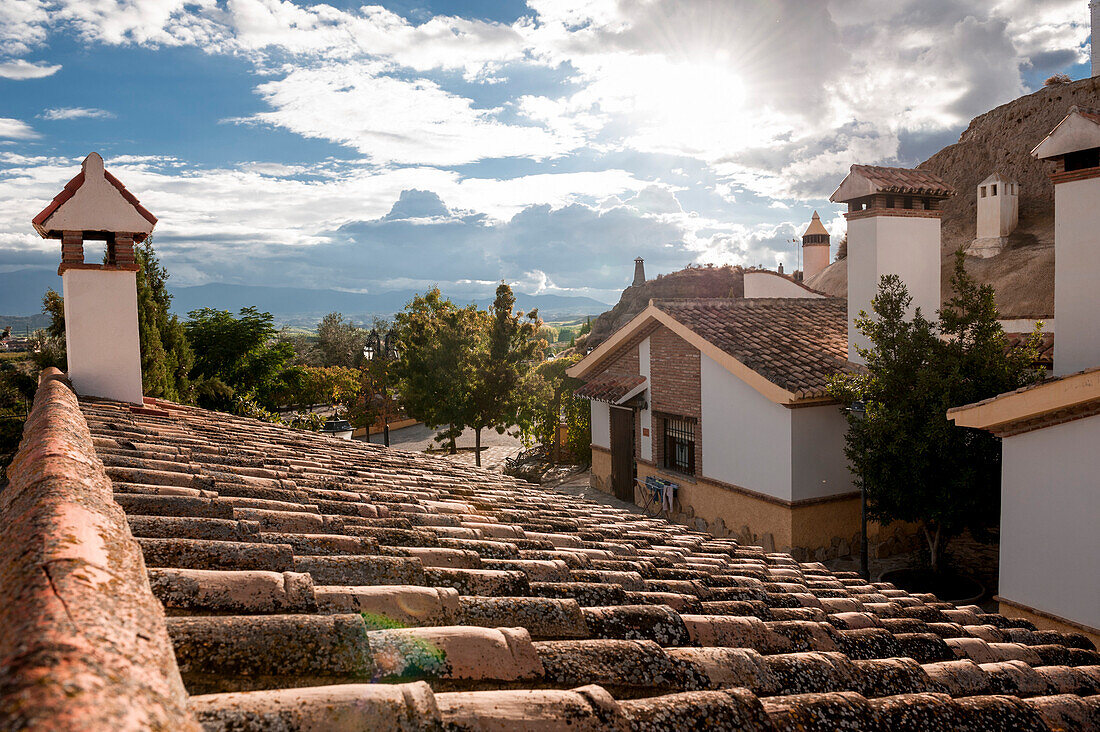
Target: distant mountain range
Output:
{"points": [[21, 295]]}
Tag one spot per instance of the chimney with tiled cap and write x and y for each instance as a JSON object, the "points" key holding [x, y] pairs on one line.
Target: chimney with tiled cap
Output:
{"points": [[815, 248], [1074, 148], [893, 228], [639, 272], [101, 325]]}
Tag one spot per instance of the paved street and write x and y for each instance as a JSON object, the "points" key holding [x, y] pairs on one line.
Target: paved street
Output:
{"points": [[419, 438]]}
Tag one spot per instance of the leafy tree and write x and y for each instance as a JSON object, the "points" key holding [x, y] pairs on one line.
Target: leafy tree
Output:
{"points": [[501, 363], [48, 344], [544, 393], [337, 385], [914, 464], [578, 423], [586, 328], [340, 342], [240, 351], [437, 342], [166, 356]]}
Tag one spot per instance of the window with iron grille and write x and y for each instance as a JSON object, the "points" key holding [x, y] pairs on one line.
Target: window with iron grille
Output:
{"points": [[679, 442]]}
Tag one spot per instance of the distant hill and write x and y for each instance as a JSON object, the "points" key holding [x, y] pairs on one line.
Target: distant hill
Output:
{"points": [[21, 295], [21, 291], [1001, 140], [23, 325], [301, 306]]}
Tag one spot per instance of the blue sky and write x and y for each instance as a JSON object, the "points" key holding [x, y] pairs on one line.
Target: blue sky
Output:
{"points": [[546, 142]]}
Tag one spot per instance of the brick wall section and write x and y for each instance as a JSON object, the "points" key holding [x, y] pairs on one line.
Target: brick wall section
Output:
{"points": [[675, 383], [625, 362], [84, 644]]}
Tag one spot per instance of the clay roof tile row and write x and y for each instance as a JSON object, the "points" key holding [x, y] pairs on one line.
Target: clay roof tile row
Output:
{"points": [[796, 343], [311, 582]]}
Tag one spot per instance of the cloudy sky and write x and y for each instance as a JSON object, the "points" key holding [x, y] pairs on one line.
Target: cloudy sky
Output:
{"points": [[458, 142]]}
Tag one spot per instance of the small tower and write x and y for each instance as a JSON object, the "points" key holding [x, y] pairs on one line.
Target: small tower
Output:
{"points": [[893, 228], [815, 248], [101, 323], [639, 272], [1074, 148], [998, 213]]}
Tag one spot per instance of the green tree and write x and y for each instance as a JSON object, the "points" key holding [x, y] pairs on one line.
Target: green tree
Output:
{"points": [[331, 385], [242, 352], [437, 342], [544, 394], [340, 342], [48, 344], [166, 356], [502, 361], [914, 464]]}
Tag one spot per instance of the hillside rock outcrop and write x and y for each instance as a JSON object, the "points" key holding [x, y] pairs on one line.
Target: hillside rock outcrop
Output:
{"points": [[691, 282]]}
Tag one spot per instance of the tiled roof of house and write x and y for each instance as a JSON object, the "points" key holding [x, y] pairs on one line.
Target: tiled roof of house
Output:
{"points": [[904, 180], [314, 583], [796, 343], [610, 389]]}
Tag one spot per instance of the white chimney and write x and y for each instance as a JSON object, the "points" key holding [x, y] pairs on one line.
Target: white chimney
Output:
{"points": [[1074, 148], [1094, 9], [815, 248], [101, 322], [893, 228]]}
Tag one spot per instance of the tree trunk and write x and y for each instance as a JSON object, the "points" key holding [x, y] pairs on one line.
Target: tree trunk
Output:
{"points": [[477, 446], [933, 541], [454, 447]]}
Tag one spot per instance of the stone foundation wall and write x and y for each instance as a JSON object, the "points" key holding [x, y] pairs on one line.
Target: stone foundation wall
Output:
{"points": [[811, 532]]}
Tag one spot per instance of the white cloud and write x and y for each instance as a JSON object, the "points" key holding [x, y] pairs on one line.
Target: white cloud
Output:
{"points": [[22, 26], [57, 113], [397, 120], [16, 130], [21, 69]]}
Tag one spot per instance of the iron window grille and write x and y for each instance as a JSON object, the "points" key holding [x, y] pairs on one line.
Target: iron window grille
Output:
{"points": [[679, 436]]}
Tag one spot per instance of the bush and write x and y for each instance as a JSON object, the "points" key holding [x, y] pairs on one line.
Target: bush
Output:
{"points": [[213, 393], [1057, 80]]}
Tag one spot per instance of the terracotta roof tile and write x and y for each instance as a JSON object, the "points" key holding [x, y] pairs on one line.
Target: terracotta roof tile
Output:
{"points": [[904, 180], [796, 343], [297, 570], [610, 389]]}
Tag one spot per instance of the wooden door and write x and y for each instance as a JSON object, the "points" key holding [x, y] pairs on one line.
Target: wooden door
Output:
{"points": [[622, 453]]}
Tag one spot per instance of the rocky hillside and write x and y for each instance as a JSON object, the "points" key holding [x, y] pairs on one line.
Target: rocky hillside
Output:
{"points": [[687, 283], [1001, 140]]}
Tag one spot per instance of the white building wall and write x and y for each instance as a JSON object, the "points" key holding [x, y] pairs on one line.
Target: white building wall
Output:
{"points": [[908, 246], [101, 333], [1050, 502], [746, 438], [815, 257], [645, 416], [1076, 270], [1094, 8], [770, 284], [818, 465], [601, 424]]}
